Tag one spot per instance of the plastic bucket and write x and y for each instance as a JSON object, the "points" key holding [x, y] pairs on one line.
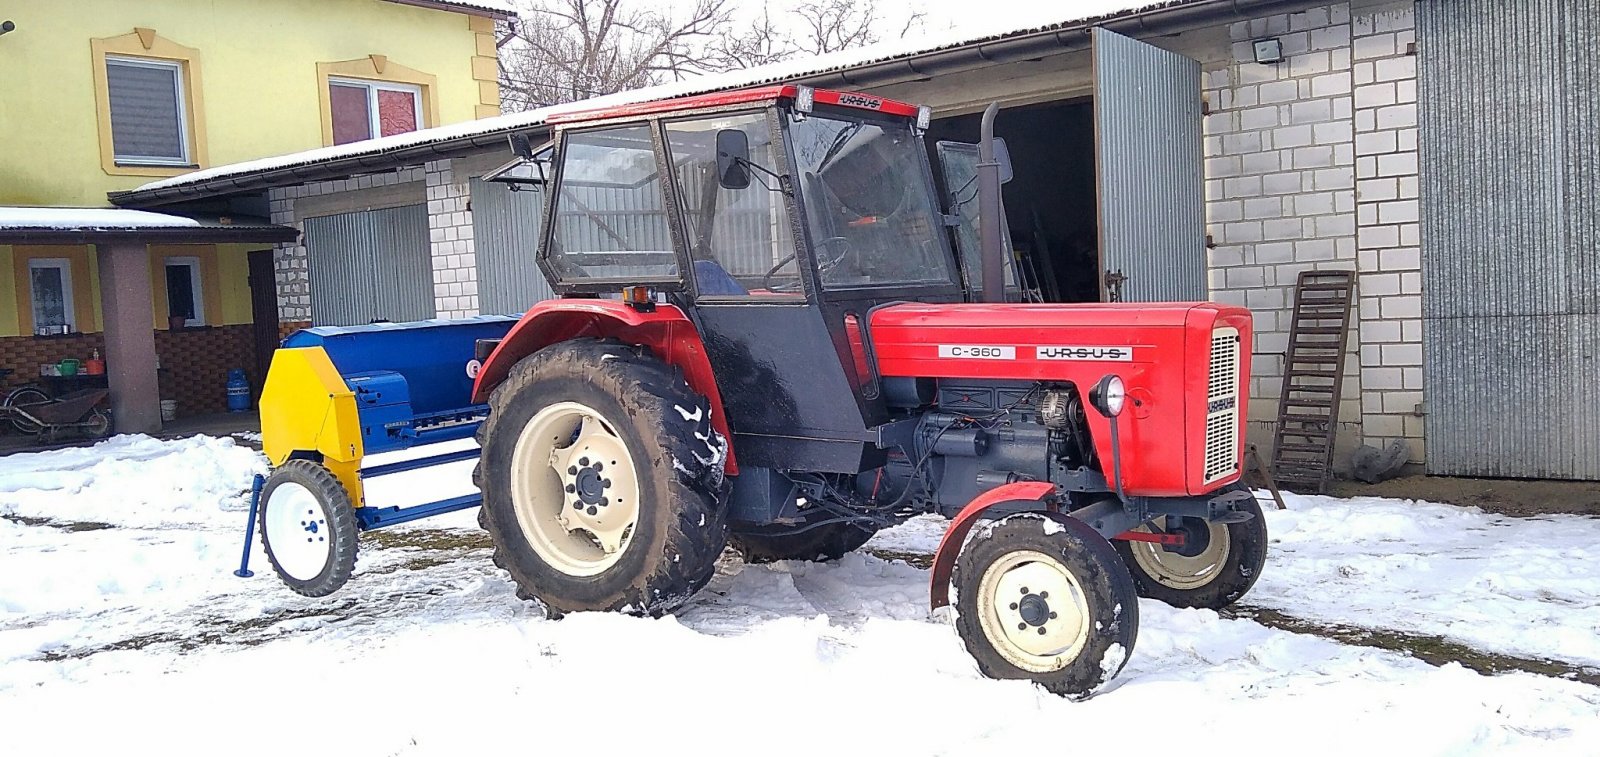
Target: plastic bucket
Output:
{"points": [[169, 410], [68, 367]]}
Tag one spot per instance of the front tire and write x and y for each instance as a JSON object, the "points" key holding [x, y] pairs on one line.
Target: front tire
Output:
{"points": [[602, 480], [1215, 568], [1046, 599]]}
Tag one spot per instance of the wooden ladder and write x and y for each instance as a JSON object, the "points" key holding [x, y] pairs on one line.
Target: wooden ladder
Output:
{"points": [[1313, 370]]}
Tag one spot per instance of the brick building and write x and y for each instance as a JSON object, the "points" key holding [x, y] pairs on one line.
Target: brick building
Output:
{"points": [[1395, 138]]}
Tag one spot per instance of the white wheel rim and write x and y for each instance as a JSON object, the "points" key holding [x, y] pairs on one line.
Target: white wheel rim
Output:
{"points": [[1176, 571], [574, 489], [1033, 611], [298, 531]]}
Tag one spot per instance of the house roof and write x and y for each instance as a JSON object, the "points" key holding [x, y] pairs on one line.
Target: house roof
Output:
{"points": [[492, 8], [1014, 37], [27, 225]]}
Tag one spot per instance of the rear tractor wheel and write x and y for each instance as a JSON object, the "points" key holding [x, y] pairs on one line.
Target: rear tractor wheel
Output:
{"points": [[1046, 599], [823, 543], [1214, 567], [602, 480]]}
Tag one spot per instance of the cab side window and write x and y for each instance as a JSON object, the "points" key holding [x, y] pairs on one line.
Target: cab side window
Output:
{"points": [[610, 213], [739, 238]]}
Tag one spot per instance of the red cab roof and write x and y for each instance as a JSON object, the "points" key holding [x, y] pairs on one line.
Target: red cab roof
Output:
{"points": [[736, 97]]}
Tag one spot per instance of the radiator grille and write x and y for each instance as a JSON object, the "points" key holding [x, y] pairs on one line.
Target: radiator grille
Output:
{"points": [[1222, 405]]}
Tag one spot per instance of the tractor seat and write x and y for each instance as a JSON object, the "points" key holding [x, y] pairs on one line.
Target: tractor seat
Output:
{"points": [[713, 279]]}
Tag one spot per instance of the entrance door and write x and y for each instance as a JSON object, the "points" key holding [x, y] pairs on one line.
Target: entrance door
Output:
{"points": [[263, 312], [1149, 170]]}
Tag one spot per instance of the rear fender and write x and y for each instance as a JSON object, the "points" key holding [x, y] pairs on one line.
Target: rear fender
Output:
{"points": [[944, 561], [665, 330]]}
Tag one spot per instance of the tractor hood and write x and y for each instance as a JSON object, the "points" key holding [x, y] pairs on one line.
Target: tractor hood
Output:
{"points": [[1026, 341]]}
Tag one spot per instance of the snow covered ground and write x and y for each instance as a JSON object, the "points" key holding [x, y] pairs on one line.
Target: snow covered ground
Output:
{"points": [[121, 626]]}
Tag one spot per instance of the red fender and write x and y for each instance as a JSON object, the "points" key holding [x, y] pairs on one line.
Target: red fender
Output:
{"points": [[944, 561], [665, 330]]}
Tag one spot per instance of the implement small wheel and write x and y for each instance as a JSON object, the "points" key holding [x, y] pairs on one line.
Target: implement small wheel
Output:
{"points": [[602, 480], [1215, 567], [820, 544], [1046, 599], [308, 528]]}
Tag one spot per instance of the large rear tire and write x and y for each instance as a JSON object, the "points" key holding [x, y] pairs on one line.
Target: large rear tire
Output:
{"points": [[820, 544], [1216, 566], [1047, 600], [602, 480]]}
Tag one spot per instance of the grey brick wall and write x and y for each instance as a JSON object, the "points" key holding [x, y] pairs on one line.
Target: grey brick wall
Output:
{"points": [[455, 269], [1281, 185]]}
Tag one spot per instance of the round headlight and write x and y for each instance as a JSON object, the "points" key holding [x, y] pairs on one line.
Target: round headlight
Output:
{"points": [[1109, 395]]}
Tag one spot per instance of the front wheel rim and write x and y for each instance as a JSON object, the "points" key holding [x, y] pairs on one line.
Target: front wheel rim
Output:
{"points": [[298, 532], [1177, 571], [574, 489], [1034, 611]]}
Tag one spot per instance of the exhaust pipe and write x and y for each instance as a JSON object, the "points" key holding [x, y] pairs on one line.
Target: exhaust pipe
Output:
{"points": [[989, 221]]}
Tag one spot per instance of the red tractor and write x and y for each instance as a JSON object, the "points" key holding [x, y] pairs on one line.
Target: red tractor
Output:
{"points": [[764, 340]]}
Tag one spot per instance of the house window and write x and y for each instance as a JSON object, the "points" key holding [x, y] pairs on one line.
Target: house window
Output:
{"points": [[50, 285], [183, 291], [148, 123], [365, 109]]}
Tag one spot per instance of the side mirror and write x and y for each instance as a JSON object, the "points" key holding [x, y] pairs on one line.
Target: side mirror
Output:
{"points": [[733, 157], [1003, 157]]}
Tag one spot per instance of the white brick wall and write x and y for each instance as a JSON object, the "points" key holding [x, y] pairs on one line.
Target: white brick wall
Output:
{"points": [[1280, 185], [455, 268], [1388, 234]]}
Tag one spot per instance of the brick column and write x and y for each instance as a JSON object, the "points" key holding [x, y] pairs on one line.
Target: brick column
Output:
{"points": [[126, 304], [455, 266]]}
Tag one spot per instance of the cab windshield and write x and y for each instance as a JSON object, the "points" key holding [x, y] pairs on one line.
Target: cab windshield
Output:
{"points": [[868, 203]]}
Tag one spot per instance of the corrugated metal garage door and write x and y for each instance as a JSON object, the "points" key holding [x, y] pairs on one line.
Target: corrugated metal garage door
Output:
{"points": [[370, 265], [1510, 189], [505, 233], [1148, 162]]}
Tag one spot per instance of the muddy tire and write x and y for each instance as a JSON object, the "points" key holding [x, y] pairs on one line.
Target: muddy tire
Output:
{"points": [[1046, 599], [820, 544], [602, 480], [308, 528], [1215, 568]]}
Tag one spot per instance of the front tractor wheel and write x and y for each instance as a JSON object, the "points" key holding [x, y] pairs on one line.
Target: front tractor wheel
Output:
{"points": [[601, 478], [823, 543], [1047, 600], [1214, 567]]}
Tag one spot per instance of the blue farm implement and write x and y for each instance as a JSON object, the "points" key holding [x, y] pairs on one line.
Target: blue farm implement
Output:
{"points": [[335, 395]]}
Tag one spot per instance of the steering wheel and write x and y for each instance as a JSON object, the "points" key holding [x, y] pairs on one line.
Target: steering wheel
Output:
{"points": [[824, 263]]}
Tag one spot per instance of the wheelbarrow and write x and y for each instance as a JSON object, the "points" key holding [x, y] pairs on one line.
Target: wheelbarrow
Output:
{"points": [[80, 410]]}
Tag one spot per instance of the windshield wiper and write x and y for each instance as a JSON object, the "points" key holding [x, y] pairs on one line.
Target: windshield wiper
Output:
{"points": [[838, 144]]}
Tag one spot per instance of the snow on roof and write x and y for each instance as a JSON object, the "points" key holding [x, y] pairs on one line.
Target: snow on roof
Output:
{"points": [[1044, 18], [86, 219]]}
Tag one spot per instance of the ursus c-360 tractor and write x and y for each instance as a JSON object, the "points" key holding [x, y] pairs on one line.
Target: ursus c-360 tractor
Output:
{"points": [[764, 340]]}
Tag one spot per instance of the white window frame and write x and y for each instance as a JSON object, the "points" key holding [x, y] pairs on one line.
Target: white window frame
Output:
{"points": [[193, 264], [180, 89], [374, 123], [64, 265]]}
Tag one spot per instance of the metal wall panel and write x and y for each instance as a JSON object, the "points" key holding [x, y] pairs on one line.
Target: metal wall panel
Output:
{"points": [[370, 265], [1149, 167], [505, 234], [1509, 94]]}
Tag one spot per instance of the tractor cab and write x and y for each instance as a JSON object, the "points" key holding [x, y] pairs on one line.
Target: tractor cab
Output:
{"points": [[777, 219]]}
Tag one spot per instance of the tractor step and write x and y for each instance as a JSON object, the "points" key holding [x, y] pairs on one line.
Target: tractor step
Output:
{"points": [[1318, 334]]}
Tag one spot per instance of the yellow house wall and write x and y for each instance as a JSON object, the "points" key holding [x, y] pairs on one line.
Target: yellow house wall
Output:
{"points": [[259, 79], [8, 294]]}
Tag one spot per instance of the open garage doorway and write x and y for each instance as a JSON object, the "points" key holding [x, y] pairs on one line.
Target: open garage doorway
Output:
{"points": [[1050, 201], [1107, 199]]}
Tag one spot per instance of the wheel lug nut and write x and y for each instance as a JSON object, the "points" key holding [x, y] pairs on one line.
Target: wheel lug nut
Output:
{"points": [[572, 488], [599, 466], [1044, 595], [572, 470], [1041, 630], [592, 511], [1022, 626], [1025, 590], [1052, 616], [583, 461], [605, 483], [1013, 605]]}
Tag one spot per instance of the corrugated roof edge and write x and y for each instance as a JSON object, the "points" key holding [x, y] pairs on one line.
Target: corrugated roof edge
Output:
{"points": [[490, 8], [391, 152]]}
